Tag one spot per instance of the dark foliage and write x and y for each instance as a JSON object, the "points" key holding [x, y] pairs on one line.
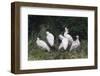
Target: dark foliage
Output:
{"points": [[38, 25]]}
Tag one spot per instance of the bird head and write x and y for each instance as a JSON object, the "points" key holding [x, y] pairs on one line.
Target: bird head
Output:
{"points": [[77, 36], [47, 32], [38, 38]]}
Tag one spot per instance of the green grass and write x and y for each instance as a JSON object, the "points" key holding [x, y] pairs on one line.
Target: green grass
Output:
{"points": [[35, 53]]}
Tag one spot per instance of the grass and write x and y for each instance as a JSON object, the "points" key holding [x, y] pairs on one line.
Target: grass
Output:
{"points": [[35, 53]]}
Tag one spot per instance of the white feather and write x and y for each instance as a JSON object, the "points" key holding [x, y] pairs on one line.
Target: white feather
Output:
{"points": [[68, 36], [42, 44], [50, 38], [61, 37], [75, 44], [64, 43]]}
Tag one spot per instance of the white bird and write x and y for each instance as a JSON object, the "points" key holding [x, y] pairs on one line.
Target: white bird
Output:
{"points": [[50, 38], [68, 35], [42, 44], [64, 43], [75, 44], [66, 30]]}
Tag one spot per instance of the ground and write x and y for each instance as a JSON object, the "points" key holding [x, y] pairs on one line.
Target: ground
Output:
{"points": [[36, 53]]}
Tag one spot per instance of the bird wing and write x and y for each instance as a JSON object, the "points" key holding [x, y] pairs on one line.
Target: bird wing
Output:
{"points": [[42, 44], [69, 37], [50, 39], [73, 45], [78, 43], [65, 43]]}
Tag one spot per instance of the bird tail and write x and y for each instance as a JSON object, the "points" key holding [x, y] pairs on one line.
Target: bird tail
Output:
{"points": [[48, 49], [60, 46]]}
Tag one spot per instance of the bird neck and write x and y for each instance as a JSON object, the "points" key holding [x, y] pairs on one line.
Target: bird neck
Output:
{"points": [[77, 39], [66, 32]]}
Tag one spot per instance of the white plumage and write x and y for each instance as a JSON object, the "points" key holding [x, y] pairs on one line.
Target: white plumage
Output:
{"points": [[61, 37], [50, 38], [64, 43], [42, 44], [66, 30], [75, 44], [68, 36]]}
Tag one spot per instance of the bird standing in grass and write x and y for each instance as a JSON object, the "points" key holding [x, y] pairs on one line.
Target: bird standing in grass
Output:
{"points": [[64, 42], [75, 44], [42, 44], [68, 36], [50, 38]]}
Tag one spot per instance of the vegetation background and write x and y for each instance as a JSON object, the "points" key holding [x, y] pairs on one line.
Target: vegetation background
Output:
{"points": [[39, 24]]}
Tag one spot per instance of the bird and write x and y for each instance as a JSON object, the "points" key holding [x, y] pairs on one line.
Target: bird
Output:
{"points": [[42, 44], [67, 35], [64, 42], [50, 38], [66, 30], [75, 44]]}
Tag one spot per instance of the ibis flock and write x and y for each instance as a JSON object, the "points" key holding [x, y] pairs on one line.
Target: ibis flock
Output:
{"points": [[66, 41]]}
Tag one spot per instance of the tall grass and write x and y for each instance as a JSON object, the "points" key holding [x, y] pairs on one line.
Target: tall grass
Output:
{"points": [[35, 53]]}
